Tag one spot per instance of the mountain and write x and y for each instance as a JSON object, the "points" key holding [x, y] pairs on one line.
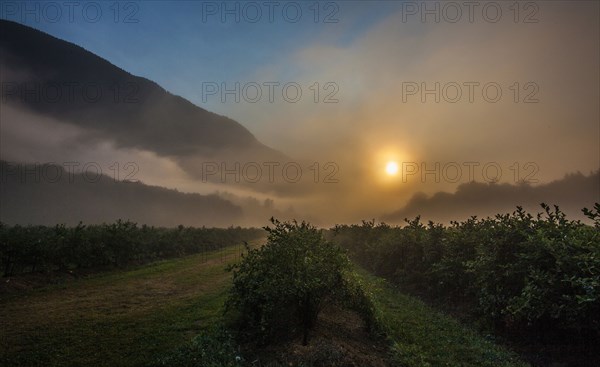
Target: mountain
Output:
{"points": [[57, 79], [49, 194], [571, 194]]}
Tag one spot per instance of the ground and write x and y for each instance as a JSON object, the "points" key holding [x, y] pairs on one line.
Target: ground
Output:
{"points": [[339, 339]]}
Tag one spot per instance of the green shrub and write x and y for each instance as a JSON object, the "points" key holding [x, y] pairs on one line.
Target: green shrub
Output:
{"points": [[280, 288], [214, 347]]}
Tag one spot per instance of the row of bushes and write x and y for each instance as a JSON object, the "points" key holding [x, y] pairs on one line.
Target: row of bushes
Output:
{"points": [[41, 248], [516, 272]]}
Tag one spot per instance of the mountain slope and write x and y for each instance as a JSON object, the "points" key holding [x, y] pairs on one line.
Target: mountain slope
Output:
{"points": [[35, 195], [572, 193], [58, 79]]}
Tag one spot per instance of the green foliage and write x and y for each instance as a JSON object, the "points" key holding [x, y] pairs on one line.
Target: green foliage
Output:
{"points": [[214, 347], [26, 249], [280, 288], [515, 271]]}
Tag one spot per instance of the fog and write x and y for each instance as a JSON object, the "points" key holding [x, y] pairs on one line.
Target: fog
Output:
{"points": [[505, 103]]}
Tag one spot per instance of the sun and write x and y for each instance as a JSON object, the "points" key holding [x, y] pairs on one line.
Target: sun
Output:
{"points": [[391, 168]]}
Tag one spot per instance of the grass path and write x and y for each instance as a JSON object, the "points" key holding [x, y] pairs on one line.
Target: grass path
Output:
{"points": [[422, 336], [121, 318]]}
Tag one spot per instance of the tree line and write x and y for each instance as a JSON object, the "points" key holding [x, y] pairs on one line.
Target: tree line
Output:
{"points": [[36, 248]]}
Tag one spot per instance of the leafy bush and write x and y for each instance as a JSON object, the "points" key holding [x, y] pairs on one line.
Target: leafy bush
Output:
{"points": [[280, 288]]}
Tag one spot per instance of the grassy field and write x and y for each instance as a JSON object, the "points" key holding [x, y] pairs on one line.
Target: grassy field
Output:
{"points": [[121, 318], [133, 317]]}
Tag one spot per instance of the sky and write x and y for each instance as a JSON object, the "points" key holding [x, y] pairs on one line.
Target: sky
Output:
{"points": [[450, 92]]}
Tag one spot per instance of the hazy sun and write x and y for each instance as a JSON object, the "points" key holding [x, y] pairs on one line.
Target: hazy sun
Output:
{"points": [[391, 168]]}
